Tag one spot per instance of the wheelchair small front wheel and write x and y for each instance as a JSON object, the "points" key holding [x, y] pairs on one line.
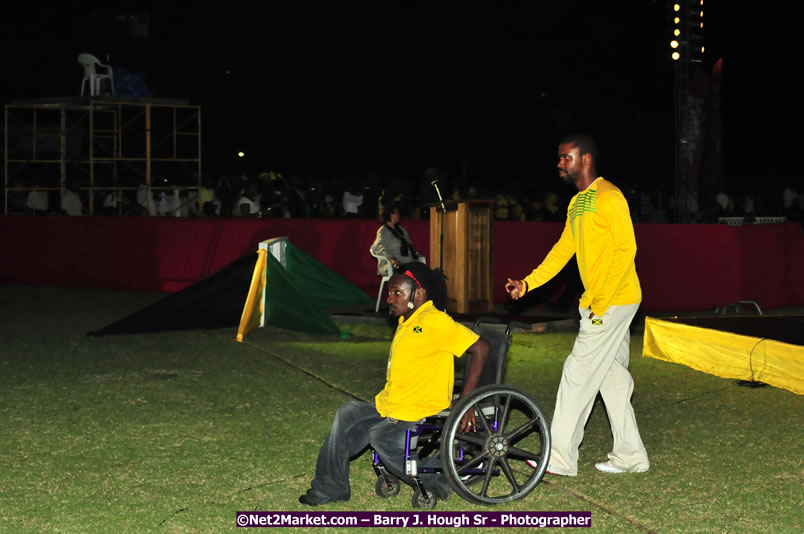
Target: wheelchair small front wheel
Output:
{"points": [[387, 486], [419, 501], [506, 457]]}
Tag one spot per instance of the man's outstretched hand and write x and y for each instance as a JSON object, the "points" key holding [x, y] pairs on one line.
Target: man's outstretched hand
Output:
{"points": [[514, 288]]}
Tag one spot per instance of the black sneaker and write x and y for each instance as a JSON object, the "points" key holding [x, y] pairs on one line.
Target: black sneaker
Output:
{"points": [[311, 498]]}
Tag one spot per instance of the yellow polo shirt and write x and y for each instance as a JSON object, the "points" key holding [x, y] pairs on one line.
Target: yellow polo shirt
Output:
{"points": [[600, 234], [421, 370]]}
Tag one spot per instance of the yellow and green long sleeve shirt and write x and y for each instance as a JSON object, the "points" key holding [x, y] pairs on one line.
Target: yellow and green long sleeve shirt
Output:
{"points": [[600, 234]]}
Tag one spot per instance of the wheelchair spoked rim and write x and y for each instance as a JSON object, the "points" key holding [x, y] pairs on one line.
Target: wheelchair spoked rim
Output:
{"points": [[488, 466]]}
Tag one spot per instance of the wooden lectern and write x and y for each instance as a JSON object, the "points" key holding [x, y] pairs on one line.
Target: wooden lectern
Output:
{"points": [[468, 254]]}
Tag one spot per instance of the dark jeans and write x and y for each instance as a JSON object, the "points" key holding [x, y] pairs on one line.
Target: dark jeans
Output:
{"points": [[358, 424]]}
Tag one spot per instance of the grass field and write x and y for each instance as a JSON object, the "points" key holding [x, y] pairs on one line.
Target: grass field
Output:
{"points": [[175, 432]]}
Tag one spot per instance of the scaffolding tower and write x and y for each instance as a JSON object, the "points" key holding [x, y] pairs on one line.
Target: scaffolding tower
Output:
{"points": [[121, 155]]}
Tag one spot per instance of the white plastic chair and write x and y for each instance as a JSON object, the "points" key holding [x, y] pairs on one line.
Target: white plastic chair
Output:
{"points": [[383, 265], [91, 75]]}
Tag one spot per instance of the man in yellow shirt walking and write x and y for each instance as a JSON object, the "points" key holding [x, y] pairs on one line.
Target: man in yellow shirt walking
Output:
{"points": [[599, 232]]}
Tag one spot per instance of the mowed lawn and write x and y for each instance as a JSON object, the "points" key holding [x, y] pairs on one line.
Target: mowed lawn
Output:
{"points": [[175, 432]]}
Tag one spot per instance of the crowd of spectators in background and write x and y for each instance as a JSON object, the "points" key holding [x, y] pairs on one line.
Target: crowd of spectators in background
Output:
{"points": [[274, 194]]}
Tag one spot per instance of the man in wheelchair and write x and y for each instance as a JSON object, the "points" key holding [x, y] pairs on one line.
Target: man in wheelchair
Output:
{"points": [[419, 383]]}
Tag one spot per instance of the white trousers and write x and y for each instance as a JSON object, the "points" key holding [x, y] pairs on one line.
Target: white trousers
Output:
{"points": [[598, 363]]}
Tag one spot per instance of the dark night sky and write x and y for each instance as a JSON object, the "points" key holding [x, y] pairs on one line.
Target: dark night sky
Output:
{"points": [[330, 86]]}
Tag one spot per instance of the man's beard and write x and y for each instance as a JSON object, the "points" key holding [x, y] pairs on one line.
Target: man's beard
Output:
{"points": [[567, 177]]}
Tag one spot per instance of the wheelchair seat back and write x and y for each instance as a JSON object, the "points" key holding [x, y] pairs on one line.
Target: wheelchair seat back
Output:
{"points": [[494, 371]]}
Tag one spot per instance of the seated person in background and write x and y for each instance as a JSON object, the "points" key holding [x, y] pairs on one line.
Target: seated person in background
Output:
{"points": [[419, 382], [393, 241], [71, 201], [37, 203], [208, 203], [249, 203]]}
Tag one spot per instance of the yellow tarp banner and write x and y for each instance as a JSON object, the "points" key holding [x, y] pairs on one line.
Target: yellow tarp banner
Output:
{"points": [[250, 320], [726, 354]]}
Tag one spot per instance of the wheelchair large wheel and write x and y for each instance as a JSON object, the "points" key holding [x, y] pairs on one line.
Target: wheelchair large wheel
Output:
{"points": [[489, 466]]}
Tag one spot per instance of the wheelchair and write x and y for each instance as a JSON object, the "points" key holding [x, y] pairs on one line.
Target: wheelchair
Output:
{"points": [[502, 461]]}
